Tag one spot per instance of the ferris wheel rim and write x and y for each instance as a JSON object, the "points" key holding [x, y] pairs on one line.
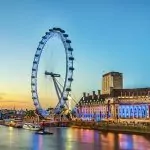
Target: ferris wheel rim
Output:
{"points": [[68, 70]]}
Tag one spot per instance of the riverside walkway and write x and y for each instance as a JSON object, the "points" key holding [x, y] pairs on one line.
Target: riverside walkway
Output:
{"points": [[123, 125], [127, 126]]}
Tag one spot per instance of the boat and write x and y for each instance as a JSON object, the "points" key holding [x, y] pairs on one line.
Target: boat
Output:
{"points": [[43, 132], [16, 123], [7, 122], [31, 126]]}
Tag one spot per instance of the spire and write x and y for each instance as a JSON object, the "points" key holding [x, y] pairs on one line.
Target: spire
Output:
{"points": [[14, 107]]}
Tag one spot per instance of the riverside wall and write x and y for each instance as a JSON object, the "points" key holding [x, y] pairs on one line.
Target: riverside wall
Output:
{"points": [[119, 127]]}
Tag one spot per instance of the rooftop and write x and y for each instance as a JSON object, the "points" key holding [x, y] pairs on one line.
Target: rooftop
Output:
{"points": [[115, 93], [113, 73]]}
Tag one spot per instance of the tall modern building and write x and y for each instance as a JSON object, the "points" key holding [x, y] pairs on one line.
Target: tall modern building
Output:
{"points": [[110, 81]]}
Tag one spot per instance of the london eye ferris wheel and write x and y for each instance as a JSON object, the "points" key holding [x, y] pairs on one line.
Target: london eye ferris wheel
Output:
{"points": [[62, 90]]}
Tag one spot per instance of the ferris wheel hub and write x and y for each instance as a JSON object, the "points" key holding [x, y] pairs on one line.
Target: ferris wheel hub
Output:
{"points": [[52, 74]]}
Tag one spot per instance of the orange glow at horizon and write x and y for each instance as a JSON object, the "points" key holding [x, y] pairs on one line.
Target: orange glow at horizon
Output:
{"points": [[23, 101]]}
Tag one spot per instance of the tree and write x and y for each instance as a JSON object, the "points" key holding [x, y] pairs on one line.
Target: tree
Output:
{"points": [[30, 113]]}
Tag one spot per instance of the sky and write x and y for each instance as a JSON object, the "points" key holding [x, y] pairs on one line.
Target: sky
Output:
{"points": [[106, 36]]}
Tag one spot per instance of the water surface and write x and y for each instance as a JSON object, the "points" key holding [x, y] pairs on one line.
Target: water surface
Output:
{"points": [[70, 139]]}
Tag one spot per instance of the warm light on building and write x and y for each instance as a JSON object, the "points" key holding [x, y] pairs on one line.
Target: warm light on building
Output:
{"points": [[111, 80], [115, 102]]}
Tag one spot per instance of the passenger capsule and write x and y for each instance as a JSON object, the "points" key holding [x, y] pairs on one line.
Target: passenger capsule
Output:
{"points": [[33, 69], [62, 31], [44, 37], [71, 68], [65, 98], [39, 49], [70, 79], [50, 30], [68, 89], [71, 58], [41, 42], [47, 33], [62, 106], [68, 41], [36, 55], [58, 29], [55, 28], [70, 49], [65, 35]]}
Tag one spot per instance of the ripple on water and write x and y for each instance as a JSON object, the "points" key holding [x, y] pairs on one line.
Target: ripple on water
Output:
{"points": [[70, 139]]}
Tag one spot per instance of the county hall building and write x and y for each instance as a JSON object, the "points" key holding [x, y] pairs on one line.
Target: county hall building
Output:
{"points": [[113, 101]]}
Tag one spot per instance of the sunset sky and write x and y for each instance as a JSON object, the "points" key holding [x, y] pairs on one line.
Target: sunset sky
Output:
{"points": [[106, 36]]}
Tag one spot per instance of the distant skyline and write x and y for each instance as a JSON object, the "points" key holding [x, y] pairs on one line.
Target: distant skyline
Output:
{"points": [[106, 36]]}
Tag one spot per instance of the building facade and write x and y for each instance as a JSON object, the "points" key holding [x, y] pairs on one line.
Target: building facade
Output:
{"points": [[115, 102], [111, 80], [132, 103]]}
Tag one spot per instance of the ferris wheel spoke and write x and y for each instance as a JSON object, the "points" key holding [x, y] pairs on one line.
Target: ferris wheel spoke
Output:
{"points": [[62, 100], [58, 91]]}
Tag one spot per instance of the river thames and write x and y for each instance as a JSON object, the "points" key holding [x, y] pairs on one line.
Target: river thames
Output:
{"points": [[70, 139]]}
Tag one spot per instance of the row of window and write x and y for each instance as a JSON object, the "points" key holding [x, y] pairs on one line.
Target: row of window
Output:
{"points": [[94, 110], [90, 107], [128, 94], [92, 103], [92, 116]]}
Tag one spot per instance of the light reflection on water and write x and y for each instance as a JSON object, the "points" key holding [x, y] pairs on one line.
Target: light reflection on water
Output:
{"points": [[70, 139]]}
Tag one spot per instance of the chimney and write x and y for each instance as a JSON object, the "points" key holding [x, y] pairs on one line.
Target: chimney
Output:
{"points": [[93, 93], [93, 96], [88, 94], [84, 94], [99, 92]]}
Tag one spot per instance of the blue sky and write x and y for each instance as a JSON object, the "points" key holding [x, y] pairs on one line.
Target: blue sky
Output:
{"points": [[106, 36]]}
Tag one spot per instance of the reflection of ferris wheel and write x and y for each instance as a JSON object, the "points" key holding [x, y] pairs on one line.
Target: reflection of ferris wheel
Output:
{"points": [[62, 90]]}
